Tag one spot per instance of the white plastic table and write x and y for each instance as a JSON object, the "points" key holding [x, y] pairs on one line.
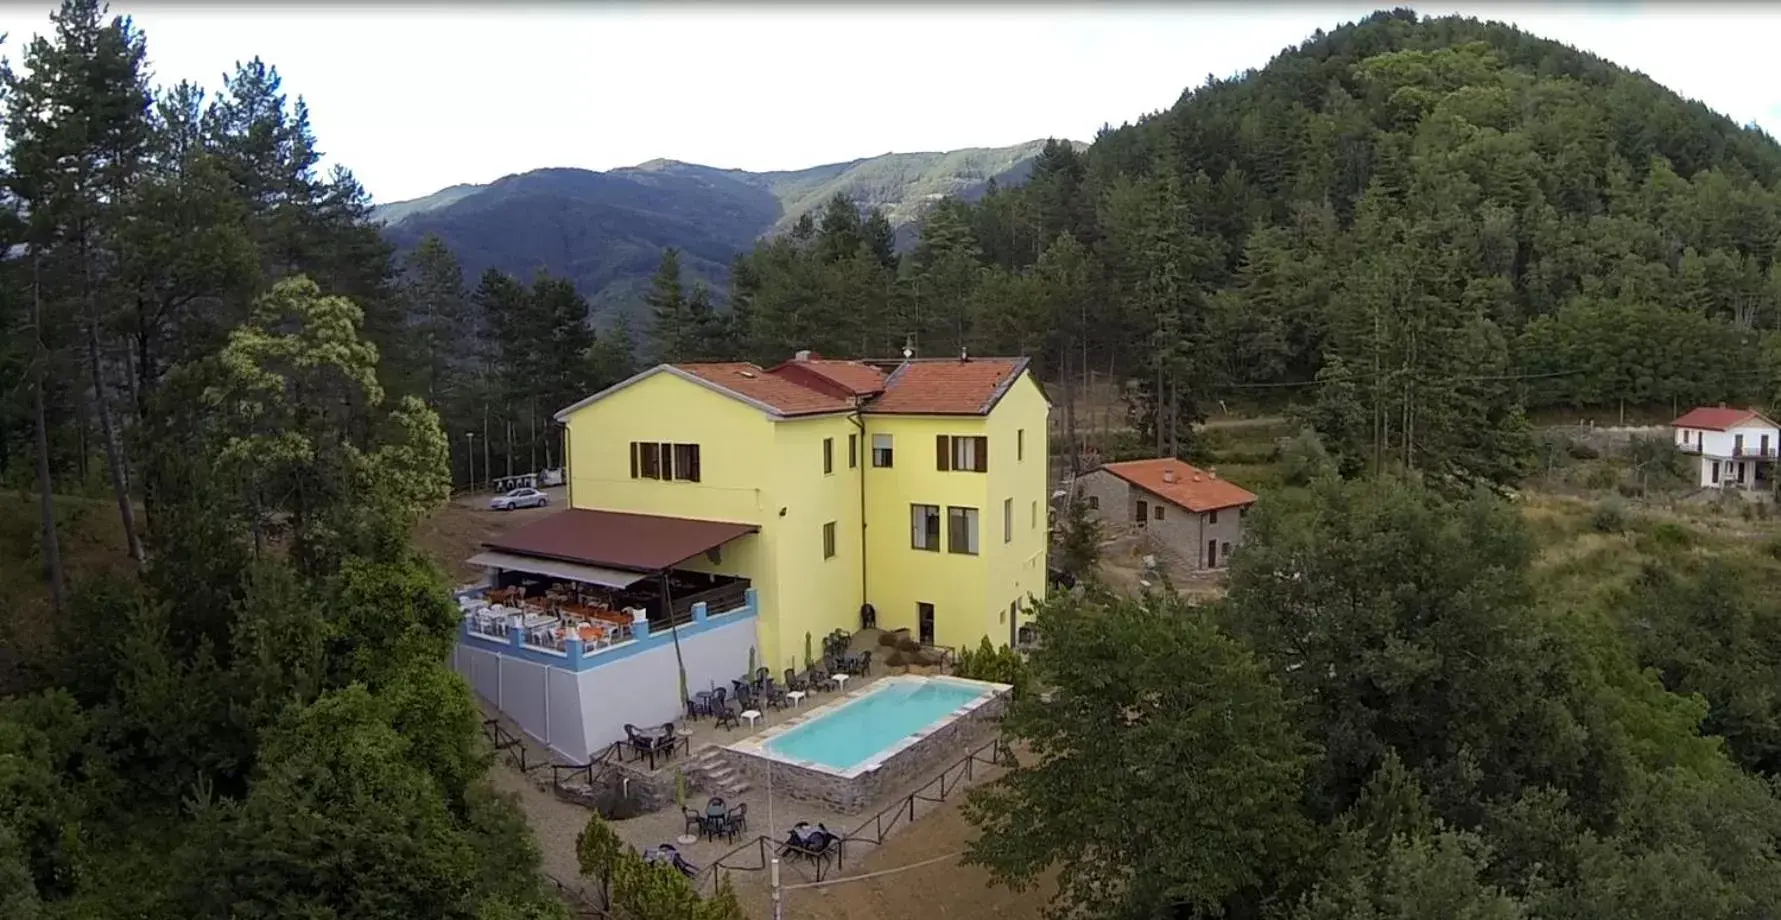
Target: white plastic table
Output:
{"points": [[796, 696], [752, 715], [840, 681]]}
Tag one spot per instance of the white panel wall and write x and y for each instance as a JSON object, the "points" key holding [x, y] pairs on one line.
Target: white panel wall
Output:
{"points": [[644, 689], [578, 714]]}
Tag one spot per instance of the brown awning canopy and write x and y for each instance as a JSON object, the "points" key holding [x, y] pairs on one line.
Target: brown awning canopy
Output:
{"points": [[618, 539], [553, 568]]}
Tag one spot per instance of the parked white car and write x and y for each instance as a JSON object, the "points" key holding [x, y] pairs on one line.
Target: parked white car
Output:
{"points": [[519, 498]]}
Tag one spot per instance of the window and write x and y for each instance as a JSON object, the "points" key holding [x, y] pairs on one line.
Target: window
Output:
{"points": [[963, 453], [881, 451], [1033, 514], [1243, 512], [1007, 520], [652, 460], [1020, 444], [961, 531], [1212, 516], [828, 540], [828, 456], [924, 526], [1094, 502], [1156, 512], [853, 451]]}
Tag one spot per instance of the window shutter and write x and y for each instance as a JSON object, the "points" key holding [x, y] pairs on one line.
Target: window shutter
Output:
{"points": [[693, 473], [982, 457], [634, 448], [942, 453]]}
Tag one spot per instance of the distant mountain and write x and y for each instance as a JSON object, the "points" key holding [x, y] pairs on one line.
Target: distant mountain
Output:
{"points": [[606, 230]]}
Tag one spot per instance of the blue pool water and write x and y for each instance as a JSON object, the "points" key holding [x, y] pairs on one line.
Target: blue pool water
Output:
{"points": [[855, 733]]}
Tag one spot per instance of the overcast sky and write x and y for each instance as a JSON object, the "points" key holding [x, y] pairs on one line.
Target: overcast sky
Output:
{"points": [[414, 98]]}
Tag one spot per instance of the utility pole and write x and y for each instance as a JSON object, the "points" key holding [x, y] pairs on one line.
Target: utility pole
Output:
{"points": [[487, 470], [470, 449]]}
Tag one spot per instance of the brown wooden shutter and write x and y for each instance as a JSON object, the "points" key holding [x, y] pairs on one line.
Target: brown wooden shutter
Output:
{"points": [[942, 453], [982, 454], [634, 449], [693, 454]]}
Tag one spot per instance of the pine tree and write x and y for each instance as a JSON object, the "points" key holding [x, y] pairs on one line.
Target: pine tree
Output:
{"points": [[438, 310], [670, 324], [78, 129]]}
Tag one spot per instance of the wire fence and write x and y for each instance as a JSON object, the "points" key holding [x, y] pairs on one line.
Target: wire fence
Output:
{"points": [[814, 866]]}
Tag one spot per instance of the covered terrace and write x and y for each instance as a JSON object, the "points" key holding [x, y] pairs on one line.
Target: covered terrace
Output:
{"points": [[593, 571]]}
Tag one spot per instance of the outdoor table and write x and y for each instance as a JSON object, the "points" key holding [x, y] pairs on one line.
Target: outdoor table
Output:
{"points": [[840, 680], [752, 715], [796, 696]]}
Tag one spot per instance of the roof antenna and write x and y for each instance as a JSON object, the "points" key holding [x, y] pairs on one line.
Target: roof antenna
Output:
{"points": [[908, 346]]}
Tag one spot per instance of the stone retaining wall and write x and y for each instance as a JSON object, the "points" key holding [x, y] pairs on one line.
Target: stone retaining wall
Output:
{"points": [[946, 743]]}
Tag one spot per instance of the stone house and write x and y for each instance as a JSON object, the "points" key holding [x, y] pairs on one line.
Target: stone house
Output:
{"points": [[1184, 511]]}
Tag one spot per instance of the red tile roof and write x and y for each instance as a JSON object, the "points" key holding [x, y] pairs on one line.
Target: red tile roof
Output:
{"points": [[814, 386], [840, 378], [1717, 418], [620, 540], [786, 397], [1188, 486], [947, 386]]}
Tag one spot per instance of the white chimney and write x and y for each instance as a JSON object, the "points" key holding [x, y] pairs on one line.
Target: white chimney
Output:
{"points": [[1212, 473], [1168, 475], [802, 355]]}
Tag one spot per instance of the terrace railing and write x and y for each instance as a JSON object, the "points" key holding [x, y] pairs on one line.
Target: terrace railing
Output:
{"points": [[755, 855], [509, 745], [874, 830]]}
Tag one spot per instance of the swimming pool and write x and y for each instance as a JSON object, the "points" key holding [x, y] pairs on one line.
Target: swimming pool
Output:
{"points": [[856, 750], [846, 737]]}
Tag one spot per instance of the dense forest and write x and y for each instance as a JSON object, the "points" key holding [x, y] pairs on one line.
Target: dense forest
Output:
{"points": [[254, 717], [1410, 706], [1418, 230]]}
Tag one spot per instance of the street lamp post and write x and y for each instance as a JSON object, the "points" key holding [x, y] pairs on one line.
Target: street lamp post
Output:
{"points": [[470, 448]]}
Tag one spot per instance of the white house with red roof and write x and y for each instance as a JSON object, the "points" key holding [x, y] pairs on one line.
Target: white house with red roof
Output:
{"points": [[1737, 447]]}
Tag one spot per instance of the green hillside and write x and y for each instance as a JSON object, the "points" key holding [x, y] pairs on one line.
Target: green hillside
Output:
{"points": [[1415, 230]]}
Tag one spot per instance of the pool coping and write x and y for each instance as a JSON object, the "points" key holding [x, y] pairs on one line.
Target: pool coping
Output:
{"points": [[756, 745]]}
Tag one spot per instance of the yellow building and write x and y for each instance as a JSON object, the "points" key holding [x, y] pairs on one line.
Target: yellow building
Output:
{"points": [[908, 494]]}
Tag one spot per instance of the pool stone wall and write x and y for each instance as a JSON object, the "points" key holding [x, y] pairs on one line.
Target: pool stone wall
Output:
{"points": [[864, 789]]}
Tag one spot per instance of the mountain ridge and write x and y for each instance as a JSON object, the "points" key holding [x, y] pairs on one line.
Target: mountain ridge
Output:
{"points": [[605, 230]]}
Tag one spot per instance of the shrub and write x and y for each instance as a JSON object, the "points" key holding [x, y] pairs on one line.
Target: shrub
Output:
{"points": [[1609, 517]]}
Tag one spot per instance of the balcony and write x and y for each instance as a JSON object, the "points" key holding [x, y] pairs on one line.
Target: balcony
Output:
{"points": [[1745, 451], [1692, 447]]}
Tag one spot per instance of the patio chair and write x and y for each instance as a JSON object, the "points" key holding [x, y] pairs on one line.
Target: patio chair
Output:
{"points": [[727, 717], [865, 663], [793, 682], [775, 695], [762, 676], [737, 820], [820, 680], [664, 744], [695, 822], [699, 704]]}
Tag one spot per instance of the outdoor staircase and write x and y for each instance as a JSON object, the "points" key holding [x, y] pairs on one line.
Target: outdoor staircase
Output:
{"points": [[709, 772]]}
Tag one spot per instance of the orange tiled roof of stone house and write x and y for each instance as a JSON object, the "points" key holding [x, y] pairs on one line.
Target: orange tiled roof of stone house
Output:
{"points": [[1185, 485]]}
